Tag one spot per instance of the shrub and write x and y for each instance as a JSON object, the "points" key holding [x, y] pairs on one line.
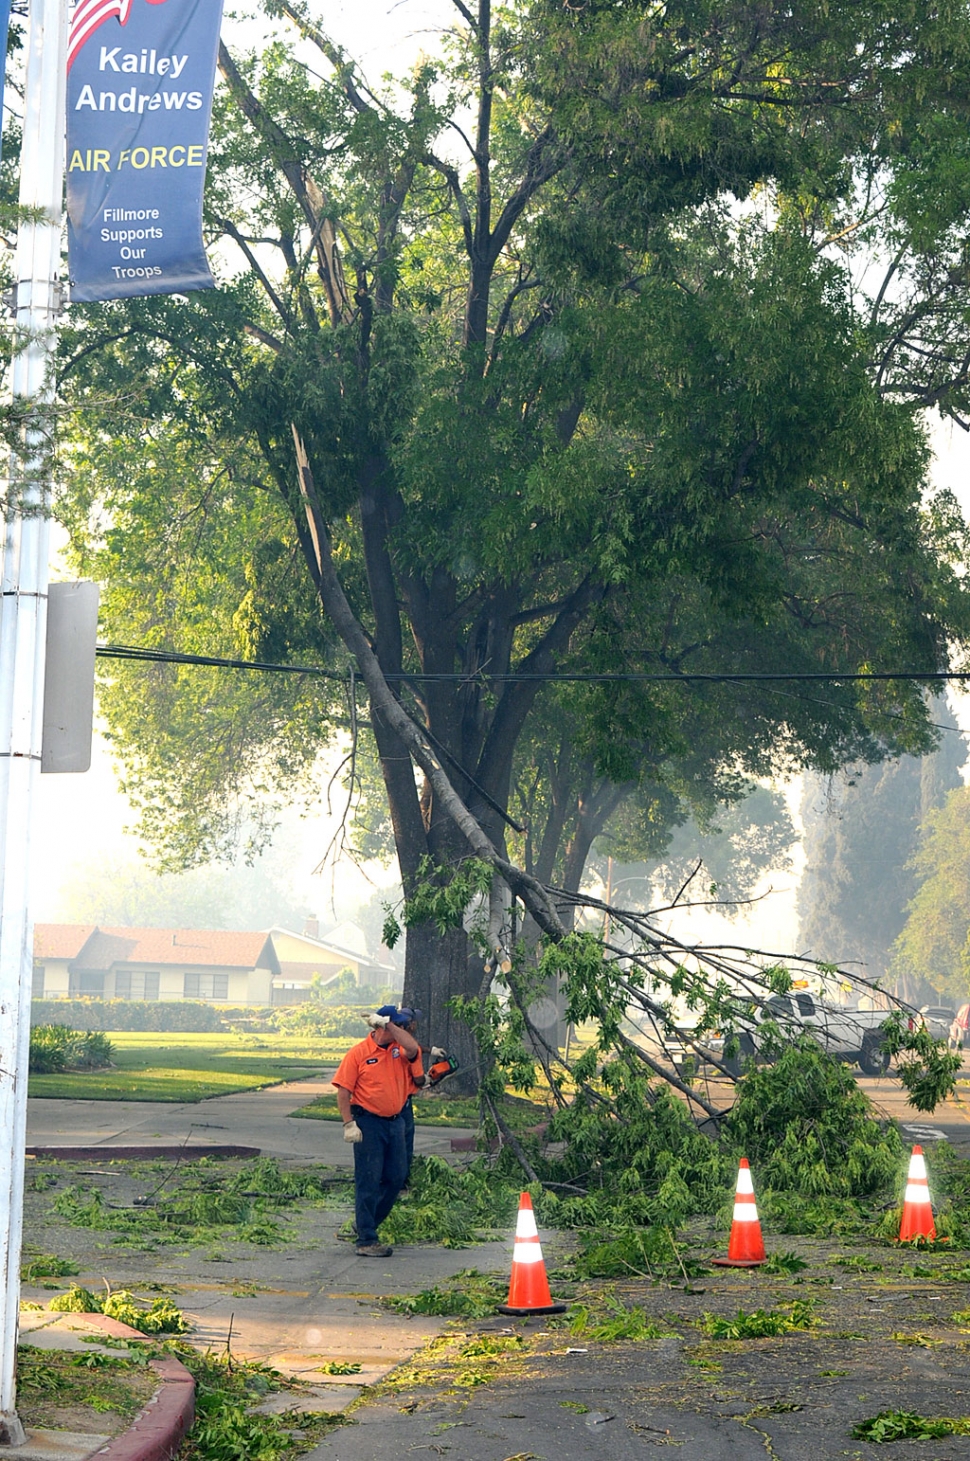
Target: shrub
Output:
{"points": [[188, 1016], [49, 1046], [312, 1018], [55, 1048], [806, 1128], [91, 1051]]}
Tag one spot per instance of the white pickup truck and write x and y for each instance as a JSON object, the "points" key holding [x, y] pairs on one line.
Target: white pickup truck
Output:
{"points": [[852, 1035]]}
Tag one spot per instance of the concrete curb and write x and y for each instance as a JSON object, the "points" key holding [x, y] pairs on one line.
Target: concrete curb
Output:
{"points": [[157, 1431], [143, 1153]]}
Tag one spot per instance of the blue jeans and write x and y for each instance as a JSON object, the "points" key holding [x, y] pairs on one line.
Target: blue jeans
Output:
{"points": [[407, 1116], [380, 1170]]}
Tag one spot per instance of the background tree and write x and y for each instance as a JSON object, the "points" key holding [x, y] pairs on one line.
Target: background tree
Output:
{"points": [[934, 944], [862, 831], [552, 407]]}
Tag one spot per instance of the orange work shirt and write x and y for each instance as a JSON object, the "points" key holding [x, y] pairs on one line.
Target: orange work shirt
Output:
{"points": [[378, 1077]]}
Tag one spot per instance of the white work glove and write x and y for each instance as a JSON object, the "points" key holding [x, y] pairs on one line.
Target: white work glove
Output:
{"points": [[437, 1053], [378, 1022], [352, 1132]]}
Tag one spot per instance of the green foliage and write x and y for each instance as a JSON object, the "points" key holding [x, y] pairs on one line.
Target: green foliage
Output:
{"points": [[934, 945], [784, 1263], [761, 1323], [51, 1384], [160, 1316], [632, 1252], [813, 1217], [469, 1295], [46, 1265], [924, 1065], [82, 1207], [861, 832], [55, 1048], [77, 1300], [442, 894], [687, 439], [807, 1129], [618, 1325], [907, 1425], [450, 1206], [641, 1156], [224, 1428], [129, 1014], [314, 1018], [49, 1046]]}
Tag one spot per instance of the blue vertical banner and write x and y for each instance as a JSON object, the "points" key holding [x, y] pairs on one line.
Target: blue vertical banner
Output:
{"points": [[139, 101], [4, 28]]}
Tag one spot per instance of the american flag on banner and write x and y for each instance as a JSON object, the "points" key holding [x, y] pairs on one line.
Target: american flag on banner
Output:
{"points": [[88, 16]]}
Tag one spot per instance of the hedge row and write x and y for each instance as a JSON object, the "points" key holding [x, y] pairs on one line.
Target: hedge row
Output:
{"points": [[194, 1017], [190, 1016]]}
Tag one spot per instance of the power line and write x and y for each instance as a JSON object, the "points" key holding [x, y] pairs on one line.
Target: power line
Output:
{"points": [[512, 677]]}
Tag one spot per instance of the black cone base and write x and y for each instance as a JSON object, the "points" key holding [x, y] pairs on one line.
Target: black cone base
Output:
{"points": [[523, 1313]]}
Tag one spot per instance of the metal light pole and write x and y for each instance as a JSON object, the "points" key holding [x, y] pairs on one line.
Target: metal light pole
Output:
{"points": [[23, 615]]}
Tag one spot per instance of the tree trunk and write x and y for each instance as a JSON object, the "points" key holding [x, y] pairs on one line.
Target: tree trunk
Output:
{"points": [[437, 967]]}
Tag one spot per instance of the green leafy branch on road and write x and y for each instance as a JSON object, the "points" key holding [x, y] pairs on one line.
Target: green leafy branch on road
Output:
{"points": [[906, 1425]]}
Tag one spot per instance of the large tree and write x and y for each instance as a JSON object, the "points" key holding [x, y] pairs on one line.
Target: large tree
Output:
{"points": [[549, 402], [933, 946], [862, 832]]}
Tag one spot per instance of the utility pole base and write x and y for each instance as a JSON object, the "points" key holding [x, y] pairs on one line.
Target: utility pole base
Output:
{"points": [[12, 1432]]}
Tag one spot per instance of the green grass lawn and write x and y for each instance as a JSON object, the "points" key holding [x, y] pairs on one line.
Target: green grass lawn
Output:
{"points": [[463, 1111], [149, 1066]]}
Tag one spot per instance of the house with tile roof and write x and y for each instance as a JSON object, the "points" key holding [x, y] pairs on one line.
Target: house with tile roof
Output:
{"points": [[56, 945], [306, 957], [218, 966]]}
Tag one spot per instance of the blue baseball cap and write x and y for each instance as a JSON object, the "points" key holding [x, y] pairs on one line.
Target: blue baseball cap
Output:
{"points": [[397, 1016]]}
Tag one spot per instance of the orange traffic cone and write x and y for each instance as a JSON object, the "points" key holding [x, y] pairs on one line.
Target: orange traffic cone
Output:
{"points": [[917, 1219], [529, 1288], [746, 1247]]}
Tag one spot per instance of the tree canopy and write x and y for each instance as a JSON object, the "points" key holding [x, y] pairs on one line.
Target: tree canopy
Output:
{"points": [[544, 360]]}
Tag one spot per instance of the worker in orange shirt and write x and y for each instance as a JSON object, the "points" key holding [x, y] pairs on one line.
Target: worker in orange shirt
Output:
{"points": [[373, 1081]]}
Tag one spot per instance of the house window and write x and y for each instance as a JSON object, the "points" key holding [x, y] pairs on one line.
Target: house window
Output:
{"points": [[205, 986], [135, 984], [88, 983], [37, 982]]}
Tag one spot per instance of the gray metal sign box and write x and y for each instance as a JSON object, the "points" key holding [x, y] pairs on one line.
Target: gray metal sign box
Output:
{"points": [[72, 634]]}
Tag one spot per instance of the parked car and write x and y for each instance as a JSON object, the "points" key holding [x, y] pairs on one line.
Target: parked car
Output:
{"points": [[852, 1035], [938, 1018], [957, 1036]]}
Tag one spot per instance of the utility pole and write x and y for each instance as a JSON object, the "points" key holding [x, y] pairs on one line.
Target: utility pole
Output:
{"points": [[23, 616]]}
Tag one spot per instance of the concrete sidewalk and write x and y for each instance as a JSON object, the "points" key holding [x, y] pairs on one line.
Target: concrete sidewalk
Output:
{"points": [[253, 1118], [296, 1307]]}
